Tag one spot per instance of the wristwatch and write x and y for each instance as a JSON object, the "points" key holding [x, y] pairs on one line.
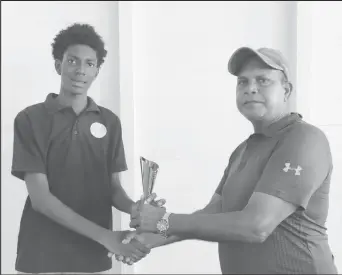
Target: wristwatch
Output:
{"points": [[163, 224]]}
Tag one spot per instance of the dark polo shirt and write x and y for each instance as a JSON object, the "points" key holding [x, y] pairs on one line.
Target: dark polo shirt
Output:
{"points": [[292, 161], [78, 154]]}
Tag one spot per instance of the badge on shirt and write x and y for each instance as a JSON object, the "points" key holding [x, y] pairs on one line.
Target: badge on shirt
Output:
{"points": [[98, 130], [296, 170]]}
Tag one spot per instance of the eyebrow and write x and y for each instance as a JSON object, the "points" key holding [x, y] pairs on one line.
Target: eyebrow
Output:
{"points": [[76, 57]]}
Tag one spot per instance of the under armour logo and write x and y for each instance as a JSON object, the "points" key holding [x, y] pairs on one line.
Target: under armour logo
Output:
{"points": [[288, 167]]}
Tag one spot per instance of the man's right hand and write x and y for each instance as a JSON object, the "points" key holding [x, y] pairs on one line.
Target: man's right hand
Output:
{"points": [[133, 250], [134, 239]]}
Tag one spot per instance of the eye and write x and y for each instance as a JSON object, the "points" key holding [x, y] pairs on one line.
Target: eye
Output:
{"points": [[264, 81], [71, 61], [90, 64], [241, 82]]}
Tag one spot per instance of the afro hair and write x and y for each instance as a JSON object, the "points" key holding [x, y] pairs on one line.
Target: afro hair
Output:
{"points": [[82, 34]]}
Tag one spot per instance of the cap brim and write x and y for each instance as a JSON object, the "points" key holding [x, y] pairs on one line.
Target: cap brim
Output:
{"points": [[240, 57]]}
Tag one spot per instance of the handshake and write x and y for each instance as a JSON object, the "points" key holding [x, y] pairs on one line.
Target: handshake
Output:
{"points": [[131, 246]]}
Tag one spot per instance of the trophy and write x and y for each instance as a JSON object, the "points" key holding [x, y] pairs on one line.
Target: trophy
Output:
{"points": [[149, 170]]}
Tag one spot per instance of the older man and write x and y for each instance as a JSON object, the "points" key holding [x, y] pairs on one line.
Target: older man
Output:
{"points": [[269, 210]]}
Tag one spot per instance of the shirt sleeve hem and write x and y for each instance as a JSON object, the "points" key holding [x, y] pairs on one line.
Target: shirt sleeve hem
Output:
{"points": [[20, 173], [119, 169], [285, 197]]}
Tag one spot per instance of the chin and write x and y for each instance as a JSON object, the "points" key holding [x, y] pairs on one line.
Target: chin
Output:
{"points": [[76, 91], [254, 116]]}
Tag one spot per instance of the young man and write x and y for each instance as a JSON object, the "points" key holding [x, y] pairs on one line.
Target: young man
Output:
{"points": [[69, 151], [269, 211]]}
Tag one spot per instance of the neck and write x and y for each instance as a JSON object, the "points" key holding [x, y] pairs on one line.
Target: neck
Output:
{"points": [[261, 126], [77, 102]]}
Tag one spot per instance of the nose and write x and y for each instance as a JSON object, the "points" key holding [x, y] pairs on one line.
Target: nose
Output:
{"points": [[80, 69], [252, 88]]}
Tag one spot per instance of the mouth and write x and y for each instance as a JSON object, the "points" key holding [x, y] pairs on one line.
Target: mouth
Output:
{"points": [[78, 82], [253, 102]]}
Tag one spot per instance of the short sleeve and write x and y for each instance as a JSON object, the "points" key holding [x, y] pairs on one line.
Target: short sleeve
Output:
{"points": [[26, 154], [118, 157], [297, 167], [222, 181]]}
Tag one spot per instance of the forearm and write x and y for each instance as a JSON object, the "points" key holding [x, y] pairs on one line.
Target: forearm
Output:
{"points": [[121, 201], [166, 241], [232, 226], [55, 210], [211, 208]]}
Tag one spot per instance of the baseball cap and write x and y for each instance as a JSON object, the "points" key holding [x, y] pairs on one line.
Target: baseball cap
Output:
{"points": [[270, 57]]}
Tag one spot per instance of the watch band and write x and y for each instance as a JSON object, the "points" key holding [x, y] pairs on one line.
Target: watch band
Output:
{"points": [[163, 228], [166, 216]]}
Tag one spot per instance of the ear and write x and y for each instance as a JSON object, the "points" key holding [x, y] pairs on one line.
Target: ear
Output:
{"points": [[288, 90], [58, 66]]}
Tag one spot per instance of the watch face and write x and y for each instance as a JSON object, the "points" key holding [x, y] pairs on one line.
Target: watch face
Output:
{"points": [[162, 225]]}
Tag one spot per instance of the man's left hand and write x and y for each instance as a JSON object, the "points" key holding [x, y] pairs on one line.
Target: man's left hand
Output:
{"points": [[147, 219], [151, 199]]}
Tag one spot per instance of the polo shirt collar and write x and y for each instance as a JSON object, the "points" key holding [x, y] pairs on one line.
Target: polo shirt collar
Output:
{"points": [[54, 106], [277, 127], [282, 123]]}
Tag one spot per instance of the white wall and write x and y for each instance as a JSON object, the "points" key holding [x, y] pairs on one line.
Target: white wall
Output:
{"points": [[319, 61], [184, 116], [28, 75]]}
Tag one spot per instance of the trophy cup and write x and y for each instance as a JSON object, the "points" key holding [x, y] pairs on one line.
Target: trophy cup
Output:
{"points": [[149, 170]]}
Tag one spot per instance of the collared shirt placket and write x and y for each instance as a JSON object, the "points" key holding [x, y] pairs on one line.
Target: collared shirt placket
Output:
{"points": [[75, 128]]}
